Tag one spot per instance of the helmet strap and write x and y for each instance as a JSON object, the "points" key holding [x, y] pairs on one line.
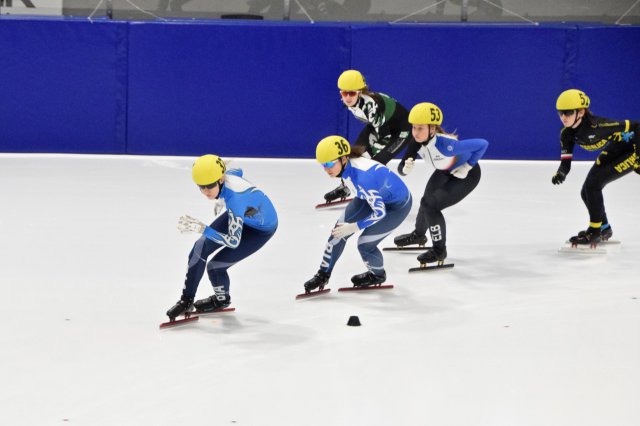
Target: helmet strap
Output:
{"points": [[341, 168], [220, 185], [577, 121]]}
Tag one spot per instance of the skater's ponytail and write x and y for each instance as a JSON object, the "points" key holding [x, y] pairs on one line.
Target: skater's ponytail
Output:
{"points": [[357, 151]]}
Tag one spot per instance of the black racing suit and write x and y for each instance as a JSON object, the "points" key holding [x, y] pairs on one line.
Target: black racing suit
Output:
{"points": [[387, 129], [619, 142]]}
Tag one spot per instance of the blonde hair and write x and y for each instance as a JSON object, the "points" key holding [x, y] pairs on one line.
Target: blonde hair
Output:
{"points": [[440, 130]]}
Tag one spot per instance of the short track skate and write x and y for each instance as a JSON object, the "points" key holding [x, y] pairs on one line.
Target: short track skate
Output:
{"points": [[590, 242], [312, 294], [405, 248], [335, 203], [187, 318], [431, 256], [336, 197], [368, 287], [408, 242], [215, 311], [191, 317], [424, 267], [603, 247]]}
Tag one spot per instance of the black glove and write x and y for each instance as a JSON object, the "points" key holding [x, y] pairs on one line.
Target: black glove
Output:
{"points": [[558, 178]]}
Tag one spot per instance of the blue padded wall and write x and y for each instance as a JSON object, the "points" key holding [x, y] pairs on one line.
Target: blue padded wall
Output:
{"points": [[268, 89], [608, 67], [497, 82], [264, 90], [63, 86]]}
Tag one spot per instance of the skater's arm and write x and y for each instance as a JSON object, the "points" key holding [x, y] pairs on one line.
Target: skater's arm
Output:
{"points": [[378, 209], [477, 148], [375, 108], [387, 153], [411, 152], [187, 224], [630, 132], [394, 146], [566, 155], [562, 172]]}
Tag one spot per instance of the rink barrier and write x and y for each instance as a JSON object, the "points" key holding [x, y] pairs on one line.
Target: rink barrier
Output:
{"points": [[268, 89]]}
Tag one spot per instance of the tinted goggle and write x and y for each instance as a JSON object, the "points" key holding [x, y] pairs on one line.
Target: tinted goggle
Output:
{"points": [[210, 186], [349, 92], [566, 112], [329, 164]]}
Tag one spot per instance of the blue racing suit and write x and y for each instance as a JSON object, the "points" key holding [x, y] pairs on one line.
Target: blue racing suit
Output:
{"points": [[249, 222], [381, 204]]}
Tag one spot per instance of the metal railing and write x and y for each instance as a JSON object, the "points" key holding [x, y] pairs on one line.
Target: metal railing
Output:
{"points": [[621, 12]]}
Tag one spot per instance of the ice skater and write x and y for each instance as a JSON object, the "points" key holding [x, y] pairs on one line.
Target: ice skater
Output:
{"points": [[619, 142], [249, 221], [382, 203], [457, 174], [387, 130]]}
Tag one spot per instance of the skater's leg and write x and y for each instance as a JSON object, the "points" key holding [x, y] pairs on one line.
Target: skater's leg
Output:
{"points": [[598, 177], [367, 138], [444, 190], [251, 241], [201, 250], [371, 237], [356, 210], [437, 180]]}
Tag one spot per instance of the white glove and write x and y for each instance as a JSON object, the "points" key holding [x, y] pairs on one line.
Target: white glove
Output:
{"points": [[218, 206], [408, 166], [343, 230], [188, 224], [461, 171]]}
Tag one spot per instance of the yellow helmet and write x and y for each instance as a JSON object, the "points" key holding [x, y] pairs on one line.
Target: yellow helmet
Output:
{"points": [[331, 148], [425, 113], [572, 99], [351, 80], [207, 169]]}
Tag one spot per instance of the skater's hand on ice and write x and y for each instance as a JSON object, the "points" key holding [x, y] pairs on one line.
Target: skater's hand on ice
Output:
{"points": [[218, 206], [344, 229], [408, 166], [461, 171], [558, 178], [188, 224]]}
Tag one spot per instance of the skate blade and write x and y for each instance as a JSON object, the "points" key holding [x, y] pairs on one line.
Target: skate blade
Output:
{"points": [[431, 268], [603, 242], [333, 203], [312, 294], [177, 323], [582, 249], [215, 311], [406, 248], [371, 287]]}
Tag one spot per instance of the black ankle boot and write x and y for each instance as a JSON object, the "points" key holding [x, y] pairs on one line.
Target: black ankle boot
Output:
{"points": [[368, 278]]}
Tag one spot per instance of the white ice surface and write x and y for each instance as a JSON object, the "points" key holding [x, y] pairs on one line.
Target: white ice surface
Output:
{"points": [[516, 334]]}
